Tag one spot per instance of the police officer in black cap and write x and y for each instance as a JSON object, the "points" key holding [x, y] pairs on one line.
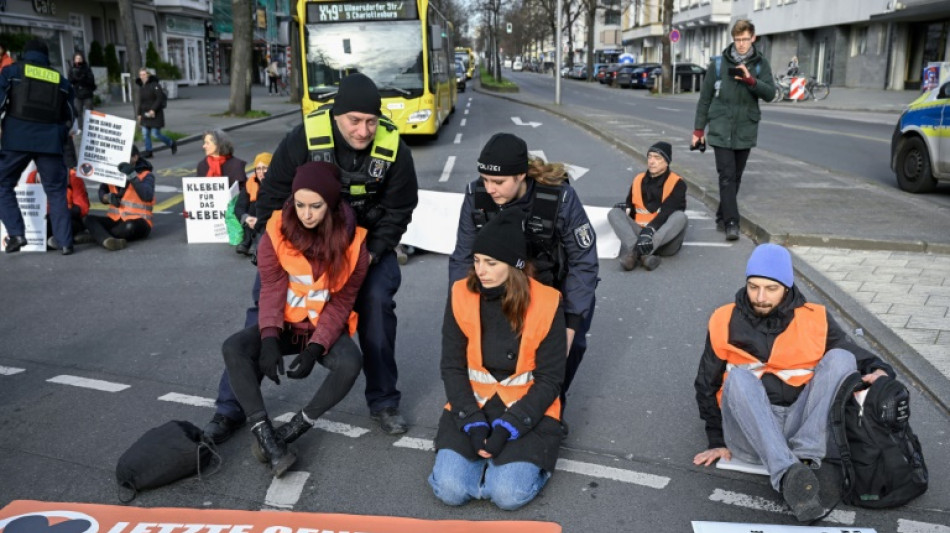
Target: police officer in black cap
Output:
{"points": [[379, 182], [38, 105]]}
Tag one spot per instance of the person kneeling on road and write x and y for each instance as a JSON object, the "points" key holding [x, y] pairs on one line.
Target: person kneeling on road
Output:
{"points": [[130, 207], [246, 207], [312, 260], [769, 373], [503, 343], [651, 222]]}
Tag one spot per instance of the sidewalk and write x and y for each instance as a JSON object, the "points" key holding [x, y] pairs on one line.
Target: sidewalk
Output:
{"points": [[882, 270]]}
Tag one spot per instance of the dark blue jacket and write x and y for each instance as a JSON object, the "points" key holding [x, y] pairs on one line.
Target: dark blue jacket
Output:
{"points": [[28, 136], [571, 229]]}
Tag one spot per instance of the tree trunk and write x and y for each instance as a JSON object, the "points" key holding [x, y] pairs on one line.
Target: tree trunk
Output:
{"points": [[132, 48], [296, 58], [241, 58], [591, 15], [667, 46]]}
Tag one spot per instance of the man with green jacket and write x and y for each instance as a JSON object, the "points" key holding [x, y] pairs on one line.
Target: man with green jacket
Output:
{"points": [[729, 105]]}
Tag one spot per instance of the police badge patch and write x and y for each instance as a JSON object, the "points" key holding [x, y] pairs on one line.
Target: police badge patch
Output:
{"points": [[584, 236], [377, 168]]}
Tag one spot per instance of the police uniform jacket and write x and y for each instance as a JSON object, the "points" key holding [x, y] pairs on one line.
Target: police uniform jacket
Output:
{"points": [[26, 135], [397, 196], [151, 98], [539, 436], [756, 335], [651, 190], [572, 230]]}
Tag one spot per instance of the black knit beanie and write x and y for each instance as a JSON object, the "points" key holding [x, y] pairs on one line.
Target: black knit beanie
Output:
{"points": [[503, 155], [36, 45], [357, 93], [320, 177], [664, 149], [502, 238]]}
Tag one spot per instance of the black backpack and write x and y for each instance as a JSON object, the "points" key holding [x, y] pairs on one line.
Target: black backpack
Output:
{"points": [[881, 461]]}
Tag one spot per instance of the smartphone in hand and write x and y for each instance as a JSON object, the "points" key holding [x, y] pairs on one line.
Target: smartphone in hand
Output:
{"points": [[736, 71]]}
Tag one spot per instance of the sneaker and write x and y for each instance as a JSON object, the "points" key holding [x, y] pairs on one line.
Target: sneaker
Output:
{"points": [[732, 231], [174, 147], [221, 428], [51, 243], [800, 490], [114, 244], [68, 250], [390, 421], [650, 262]]}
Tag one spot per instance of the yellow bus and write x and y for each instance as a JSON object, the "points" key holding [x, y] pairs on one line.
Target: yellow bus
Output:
{"points": [[405, 46], [467, 57]]}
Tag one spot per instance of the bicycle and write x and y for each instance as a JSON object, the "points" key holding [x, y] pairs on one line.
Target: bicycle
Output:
{"points": [[816, 90]]}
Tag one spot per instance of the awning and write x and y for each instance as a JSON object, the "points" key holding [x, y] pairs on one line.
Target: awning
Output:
{"points": [[34, 22], [929, 12]]}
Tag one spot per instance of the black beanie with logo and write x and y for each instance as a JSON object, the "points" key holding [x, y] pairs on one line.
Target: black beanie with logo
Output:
{"points": [[357, 93], [504, 154], [502, 238]]}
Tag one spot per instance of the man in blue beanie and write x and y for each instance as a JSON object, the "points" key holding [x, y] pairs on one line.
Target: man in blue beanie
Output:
{"points": [[768, 375]]}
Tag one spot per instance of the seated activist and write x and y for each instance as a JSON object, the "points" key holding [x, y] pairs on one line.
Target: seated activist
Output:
{"points": [[312, 260], [246, 207], [130, 207], [219, 160], [768, 376], [651, 222], [77, 200], [503, 343]]}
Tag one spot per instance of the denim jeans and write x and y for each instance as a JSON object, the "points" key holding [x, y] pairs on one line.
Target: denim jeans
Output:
{"points": [[455, 480], [147, 134], [777, 436]]}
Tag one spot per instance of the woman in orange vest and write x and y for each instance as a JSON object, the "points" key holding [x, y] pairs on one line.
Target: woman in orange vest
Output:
{"points": [[246, 207], [130, 207], [312, 260], [503, 345]]}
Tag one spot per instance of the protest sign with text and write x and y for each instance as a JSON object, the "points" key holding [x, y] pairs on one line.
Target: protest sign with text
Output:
{"points": [[206, 203], [32, 200], [106, 142]]}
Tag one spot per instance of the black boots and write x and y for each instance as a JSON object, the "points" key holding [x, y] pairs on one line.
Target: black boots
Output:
{"points": [[286, 433], [273, 450]]}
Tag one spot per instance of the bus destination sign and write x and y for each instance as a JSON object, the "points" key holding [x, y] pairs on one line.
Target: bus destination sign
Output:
{"points": [[318, 12]]}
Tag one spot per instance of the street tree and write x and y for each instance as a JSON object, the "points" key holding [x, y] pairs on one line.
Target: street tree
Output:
{"points": [[667, 20], [571, 12], [241, 57], [132, 47]]}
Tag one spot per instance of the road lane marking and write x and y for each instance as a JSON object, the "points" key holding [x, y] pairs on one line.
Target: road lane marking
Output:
{"points": [[458, 138], [174, 200], [697, 215], [709, 244], [462, 124], [9, 370], [616, 474], [329, 426], [669, 109], [828, 132], [466, 110], [425, 445], [96, 384], [166, 188], [284, 491], [447, 169], [763, 504], [186, 399], [913, 526]]}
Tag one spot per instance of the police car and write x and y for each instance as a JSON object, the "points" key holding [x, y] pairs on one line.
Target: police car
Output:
{"points": [[920, 147]]}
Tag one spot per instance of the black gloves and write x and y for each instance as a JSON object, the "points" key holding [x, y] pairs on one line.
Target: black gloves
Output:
{"points": [[271, 362], [126, 168], [115, 199], [497, 440], [302, 365], [477, 436], [645, 241]]}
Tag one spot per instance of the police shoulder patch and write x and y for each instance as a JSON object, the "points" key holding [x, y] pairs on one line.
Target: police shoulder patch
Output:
{"points": [[377, 168], [584, 235]]}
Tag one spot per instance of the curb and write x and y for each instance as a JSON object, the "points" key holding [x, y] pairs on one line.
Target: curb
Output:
{"points": [[197, 136]]}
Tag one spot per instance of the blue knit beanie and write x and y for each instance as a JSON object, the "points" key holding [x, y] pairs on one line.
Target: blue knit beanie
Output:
{"points": [[773, 262]]}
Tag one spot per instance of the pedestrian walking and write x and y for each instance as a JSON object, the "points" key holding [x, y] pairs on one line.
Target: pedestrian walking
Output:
{"points": [[652, 221], [381, 187], [151, 111], [39, 113], [84, 85], [729, 106], [561, 241], [273, 74], [130, 207], [503, 344], [312, 259]]}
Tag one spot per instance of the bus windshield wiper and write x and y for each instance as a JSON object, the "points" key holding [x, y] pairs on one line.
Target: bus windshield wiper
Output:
{"points": [[397, 89], [326, 95]]}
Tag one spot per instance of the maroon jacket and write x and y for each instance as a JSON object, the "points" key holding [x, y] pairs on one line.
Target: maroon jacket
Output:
{"points": [[333, 321]]}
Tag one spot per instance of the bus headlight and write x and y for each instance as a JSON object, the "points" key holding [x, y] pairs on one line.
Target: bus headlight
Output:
{"points": [[420, 116]]}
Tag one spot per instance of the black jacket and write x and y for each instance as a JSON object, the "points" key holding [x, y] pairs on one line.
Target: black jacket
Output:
{"points": [[651, 189], [82, 80], [539, 435], [756, 335], [145, 188], [151, 98], [397, 196]]}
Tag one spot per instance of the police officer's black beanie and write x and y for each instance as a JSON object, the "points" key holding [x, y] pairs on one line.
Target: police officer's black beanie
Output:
{"points": [[664, 149], [36, 45], [502, 238], [503, 155], [357, 93]]}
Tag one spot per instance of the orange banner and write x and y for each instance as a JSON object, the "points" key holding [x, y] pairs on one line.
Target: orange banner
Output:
{"points": [[26, 516]]}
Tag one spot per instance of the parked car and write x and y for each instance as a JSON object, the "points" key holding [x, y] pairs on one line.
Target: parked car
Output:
{"points": [[565, 71], [642, 75], [460, 77], [610, 73], [686, 75], [517, 66], [920, 152], [624, 77], [578, 72], [599, 70]]}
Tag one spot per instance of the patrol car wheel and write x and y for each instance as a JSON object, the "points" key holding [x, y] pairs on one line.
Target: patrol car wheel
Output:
{"points": [[913, 167]]}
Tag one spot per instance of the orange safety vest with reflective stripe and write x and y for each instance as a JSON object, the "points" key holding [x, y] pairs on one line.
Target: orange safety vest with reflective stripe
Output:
{"points": [[795, 352], [306, 297], [131, 206], [640, 213], [72, 195], [537, 324], [252, 186]]}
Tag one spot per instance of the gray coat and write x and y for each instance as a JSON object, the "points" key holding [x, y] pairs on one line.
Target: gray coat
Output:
{"points": [[151, 98]]}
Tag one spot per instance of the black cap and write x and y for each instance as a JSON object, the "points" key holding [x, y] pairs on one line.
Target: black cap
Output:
{"points": [[664, 149], [502, 238], [357, 93], [504, 154], [36, 45]]}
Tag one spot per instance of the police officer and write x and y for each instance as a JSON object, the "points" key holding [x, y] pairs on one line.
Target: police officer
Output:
{"points": [[39, 113], [379, 182], [561, 240]]}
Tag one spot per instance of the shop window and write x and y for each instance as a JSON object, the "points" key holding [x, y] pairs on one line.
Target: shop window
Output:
{"points": [[148, 32], [859, 41]]}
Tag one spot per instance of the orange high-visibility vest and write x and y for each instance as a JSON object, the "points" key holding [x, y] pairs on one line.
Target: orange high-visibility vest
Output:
{"points": [[73, 197], [252, 186], [131, 206], [306, 297], [537, 324], [641, 215], [795, 352]]}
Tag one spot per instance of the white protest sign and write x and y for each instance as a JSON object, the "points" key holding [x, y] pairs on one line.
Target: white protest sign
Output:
{"points": [[106, 142], [206, 202], [32, 200], [729, 527]]}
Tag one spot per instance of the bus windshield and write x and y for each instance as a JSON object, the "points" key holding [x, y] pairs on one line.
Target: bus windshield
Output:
{"points": [[389, 52]]}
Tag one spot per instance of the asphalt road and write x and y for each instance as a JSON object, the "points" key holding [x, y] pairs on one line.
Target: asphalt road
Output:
{"points": [[152, 318]]}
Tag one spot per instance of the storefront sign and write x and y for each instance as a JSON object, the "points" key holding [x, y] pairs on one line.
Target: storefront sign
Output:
{"points": [[44, 7], [185, 25]]}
